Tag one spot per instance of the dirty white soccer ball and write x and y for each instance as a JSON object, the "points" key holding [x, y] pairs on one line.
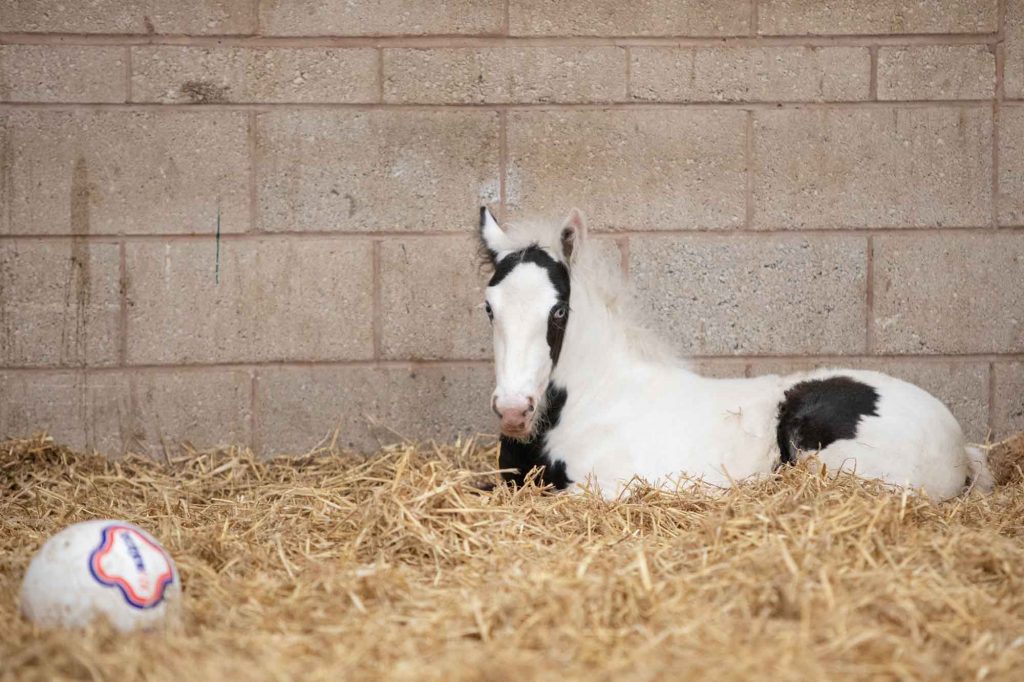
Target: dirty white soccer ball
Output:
{"points": [[110, 569]]}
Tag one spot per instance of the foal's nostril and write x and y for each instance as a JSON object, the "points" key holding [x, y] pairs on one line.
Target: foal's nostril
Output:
{"points": [[531, 405], [494, 405]]}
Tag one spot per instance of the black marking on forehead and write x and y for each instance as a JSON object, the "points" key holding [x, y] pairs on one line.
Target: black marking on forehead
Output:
{"points": [[558, 273]]}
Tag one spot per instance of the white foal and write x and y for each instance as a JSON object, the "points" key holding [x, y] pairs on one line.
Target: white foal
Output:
{"points": [[586, 394]]}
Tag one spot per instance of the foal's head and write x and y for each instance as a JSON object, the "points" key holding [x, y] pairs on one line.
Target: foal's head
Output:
{"points": [[527, 300]]}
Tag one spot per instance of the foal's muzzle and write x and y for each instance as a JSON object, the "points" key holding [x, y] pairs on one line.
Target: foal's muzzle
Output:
{"points": [[516, 414]]}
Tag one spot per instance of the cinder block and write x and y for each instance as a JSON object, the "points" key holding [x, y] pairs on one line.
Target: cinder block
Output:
{"points": [[108, 412], [936, 72], [647, 169], [1011, 165], [1013, 67], [1008, 399], [952, 293], [841, 17], [381, 170], [716, 295], [720, 368], [129, 172], [251, 74], [758, 74], [203, 407], [152, 412], [204, 17], [302, 299], [879, 167], [962, 386], [59, 303], [791, 365], [432, 299], [298, 408], [484, 75], [615, 18], [62, 73], [83, 413], [384, 17]]}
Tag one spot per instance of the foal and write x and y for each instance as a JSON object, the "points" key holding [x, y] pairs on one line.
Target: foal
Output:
{"points": [[586, 394]]}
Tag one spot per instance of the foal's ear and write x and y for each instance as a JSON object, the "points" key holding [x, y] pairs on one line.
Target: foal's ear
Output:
{"points": [[492, 238], [574, 232]]}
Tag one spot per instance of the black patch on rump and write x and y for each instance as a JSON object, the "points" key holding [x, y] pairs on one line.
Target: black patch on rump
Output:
{"points": [[814, 414], [521, 456]]}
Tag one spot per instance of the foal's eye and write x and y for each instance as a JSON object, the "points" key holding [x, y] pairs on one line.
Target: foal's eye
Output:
{"points": [[490, 313], [559, 313]]}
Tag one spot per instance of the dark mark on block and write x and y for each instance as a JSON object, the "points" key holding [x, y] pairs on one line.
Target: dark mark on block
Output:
{"points": [[216, 265], [202, 92], [79, 274]]}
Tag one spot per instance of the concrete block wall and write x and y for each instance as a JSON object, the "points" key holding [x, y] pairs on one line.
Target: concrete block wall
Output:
{"points": [[250, 221]]}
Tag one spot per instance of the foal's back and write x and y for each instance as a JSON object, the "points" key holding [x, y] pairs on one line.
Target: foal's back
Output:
{"points": [[662, 422]]}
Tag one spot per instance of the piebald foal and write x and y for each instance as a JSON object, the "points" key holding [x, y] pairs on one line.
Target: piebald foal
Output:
{"points": [[586, 394]]}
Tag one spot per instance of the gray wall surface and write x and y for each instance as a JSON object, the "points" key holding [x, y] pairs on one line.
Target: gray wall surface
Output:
{"points": [[790, 183]]}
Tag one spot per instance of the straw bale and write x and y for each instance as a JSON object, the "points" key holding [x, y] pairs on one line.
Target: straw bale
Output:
{"points": [[397, 566]]}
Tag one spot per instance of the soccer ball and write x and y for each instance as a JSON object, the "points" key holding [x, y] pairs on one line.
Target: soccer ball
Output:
{"points": [[109, 569]]}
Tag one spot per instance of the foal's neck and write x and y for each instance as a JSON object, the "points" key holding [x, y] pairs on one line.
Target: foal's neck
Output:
{"points": [[602, 340], [596, 340]]}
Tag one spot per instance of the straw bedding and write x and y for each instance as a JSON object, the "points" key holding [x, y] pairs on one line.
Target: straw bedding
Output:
{"points": [[335, 566]]}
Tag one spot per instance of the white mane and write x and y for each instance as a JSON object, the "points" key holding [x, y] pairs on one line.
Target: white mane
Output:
{"points": [[597, 270]]}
